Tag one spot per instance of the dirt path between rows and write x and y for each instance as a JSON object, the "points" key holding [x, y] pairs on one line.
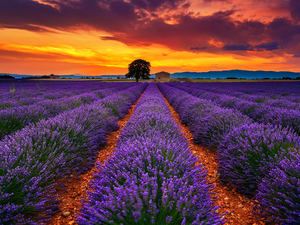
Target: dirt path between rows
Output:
{"points": [[239, 208], [78, 186]]}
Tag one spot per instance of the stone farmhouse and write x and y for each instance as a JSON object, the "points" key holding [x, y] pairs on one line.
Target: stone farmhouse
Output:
{"points": [[162, 77], [54, 76]]}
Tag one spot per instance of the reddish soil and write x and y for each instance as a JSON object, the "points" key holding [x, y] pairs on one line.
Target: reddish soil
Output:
{"points": [[238, 207], [77, 186]]}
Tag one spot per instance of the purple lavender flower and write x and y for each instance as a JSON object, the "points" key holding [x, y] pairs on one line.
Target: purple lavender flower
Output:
{"points": [[249, 152], [278, 194]]}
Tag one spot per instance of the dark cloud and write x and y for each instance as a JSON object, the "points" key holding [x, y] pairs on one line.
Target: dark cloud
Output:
{"points": [[234, 47], [267, 46], [208, 1], [122, 9], [163, 4], [186, 5], [261, 47], [283, 30], [139, 3], [108, 38], [153, 5], [297, 55], [27, 14], [141, 23], [295, 9], [190, 31], [111, 16], [197, 48]]}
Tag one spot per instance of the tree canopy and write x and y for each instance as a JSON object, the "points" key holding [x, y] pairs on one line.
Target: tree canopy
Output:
{"points": [[139, 68], [6, 77]]}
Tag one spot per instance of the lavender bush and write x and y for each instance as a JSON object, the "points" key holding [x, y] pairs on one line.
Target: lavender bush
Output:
{"points": [[278, 194], [40, 91], [188, 107], [120, 104], [212, 129], [16, 118], [260, 160], [152, 177], [248, 153], [50, 149], [260, 108], [209, 123], [247, 91], [277, 116]]}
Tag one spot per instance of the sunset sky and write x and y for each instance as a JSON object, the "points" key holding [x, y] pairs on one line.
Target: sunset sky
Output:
{"points": [[101, 37]]}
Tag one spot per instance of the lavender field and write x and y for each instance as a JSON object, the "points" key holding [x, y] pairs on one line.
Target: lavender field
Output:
{"points": [[54, 131]]}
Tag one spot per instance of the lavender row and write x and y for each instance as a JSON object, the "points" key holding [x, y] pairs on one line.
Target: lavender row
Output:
{"points": [[152, 177], [206, 120], [12, 88], [232, 96], [23, 98], [259, 160], [16, 118], [273, 90], [14, 99], [259, 112], [32, 158], [231, 99]]}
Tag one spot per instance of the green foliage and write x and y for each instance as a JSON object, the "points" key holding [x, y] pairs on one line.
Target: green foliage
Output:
{"points": [[12, 89], [139, 68]]}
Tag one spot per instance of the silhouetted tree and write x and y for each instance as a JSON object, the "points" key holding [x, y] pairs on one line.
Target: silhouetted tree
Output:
{"points": [[139, 68], [6, 77]]}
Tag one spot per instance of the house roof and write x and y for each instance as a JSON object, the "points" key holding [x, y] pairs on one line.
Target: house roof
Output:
{"points": [[162, 72]]}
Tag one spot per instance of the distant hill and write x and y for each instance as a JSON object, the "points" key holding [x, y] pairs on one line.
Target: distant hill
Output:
{"points": [[71, 76], [236, 73], [18, 76]]}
